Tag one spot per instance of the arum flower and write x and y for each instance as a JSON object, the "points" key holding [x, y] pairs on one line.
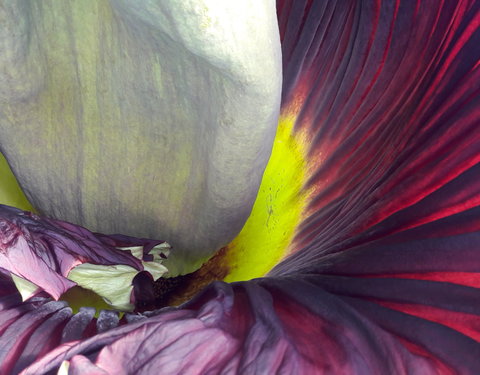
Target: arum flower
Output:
{"points": [[360, 254]]}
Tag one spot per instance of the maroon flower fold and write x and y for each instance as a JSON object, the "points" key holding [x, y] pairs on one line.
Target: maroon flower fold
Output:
{"points": [[384, 276]]}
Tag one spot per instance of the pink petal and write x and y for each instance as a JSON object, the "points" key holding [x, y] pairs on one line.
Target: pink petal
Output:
{"points": [[43, 251]]}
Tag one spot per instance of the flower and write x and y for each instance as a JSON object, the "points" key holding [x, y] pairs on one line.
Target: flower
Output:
{"points": [[381, 275]]}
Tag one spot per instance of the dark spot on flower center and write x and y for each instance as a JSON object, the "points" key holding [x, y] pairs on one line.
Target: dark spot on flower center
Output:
{"points": [[173, 291]]}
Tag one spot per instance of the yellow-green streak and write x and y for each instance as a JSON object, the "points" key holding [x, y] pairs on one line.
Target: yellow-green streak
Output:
{"points": [[78, 297], [10, 192], [277, 211]]}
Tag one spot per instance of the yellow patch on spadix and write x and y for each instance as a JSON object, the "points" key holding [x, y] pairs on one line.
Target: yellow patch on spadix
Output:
{"points": [[268, 232], [10, 192]]}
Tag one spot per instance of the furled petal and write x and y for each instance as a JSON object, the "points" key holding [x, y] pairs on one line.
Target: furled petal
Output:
{"points": [[156, 120], [49, 255]]}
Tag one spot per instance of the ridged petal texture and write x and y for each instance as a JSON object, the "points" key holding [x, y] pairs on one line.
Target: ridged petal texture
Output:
{"points": [[384, 273], [29, 330]]}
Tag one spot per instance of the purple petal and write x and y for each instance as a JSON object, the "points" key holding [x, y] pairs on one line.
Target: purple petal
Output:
{"points": [[43, 251], [82, 365], [255, 328], [31, 329]]}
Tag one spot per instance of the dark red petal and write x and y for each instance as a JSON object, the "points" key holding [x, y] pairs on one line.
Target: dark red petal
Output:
{"points": [[387, 92], [391, 107]]}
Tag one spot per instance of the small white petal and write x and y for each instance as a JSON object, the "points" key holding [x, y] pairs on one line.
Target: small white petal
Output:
{"points": [[112, 283], [159, 250], [63, 369], [155, 266], [137, 251], [156, 269]]}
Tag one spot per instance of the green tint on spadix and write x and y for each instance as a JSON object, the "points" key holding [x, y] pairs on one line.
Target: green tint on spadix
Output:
{"points": [[267, 234]]}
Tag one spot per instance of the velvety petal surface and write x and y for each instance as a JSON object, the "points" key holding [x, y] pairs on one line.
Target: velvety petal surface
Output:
{"points": [[383, 276], [156, 120], [386, 94]]}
